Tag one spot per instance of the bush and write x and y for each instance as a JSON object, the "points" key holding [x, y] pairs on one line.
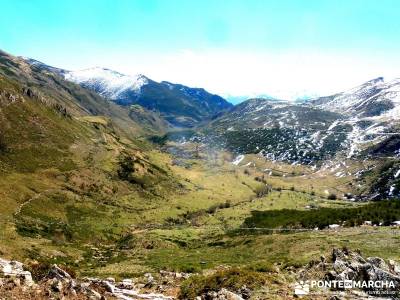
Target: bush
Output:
{"points": [[262, 191], [260, 179], [332, 196], [3, 145], [212, 209], [231, 279], [39, 270]]}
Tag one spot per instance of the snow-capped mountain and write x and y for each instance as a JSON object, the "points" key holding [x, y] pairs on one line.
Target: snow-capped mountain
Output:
{"points": [[361, 121], [372, 113], [108, 83], [270, 113], [277, 129], [371, 99], [180, 105]]}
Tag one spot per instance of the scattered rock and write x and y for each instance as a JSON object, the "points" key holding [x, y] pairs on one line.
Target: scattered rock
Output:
{"points": [[14, 269], [126, 284], [56, 272], [57, 286], [110, 279], [94, 295], [223, 294]]}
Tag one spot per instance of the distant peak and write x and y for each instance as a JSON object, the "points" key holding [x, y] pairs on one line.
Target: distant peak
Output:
{"points": [[107, 82], [376, 80]]}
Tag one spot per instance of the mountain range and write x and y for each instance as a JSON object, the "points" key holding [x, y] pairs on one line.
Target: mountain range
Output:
{"points": [[349, 122], [179, 105], [360, 124]]}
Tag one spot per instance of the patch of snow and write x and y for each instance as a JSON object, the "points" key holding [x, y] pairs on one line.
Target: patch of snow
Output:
{"points": [[333, 226], [237, 160], [107, 83], [391, 190]]}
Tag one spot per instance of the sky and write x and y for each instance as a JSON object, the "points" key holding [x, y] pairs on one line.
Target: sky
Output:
{"points": [[283, 48]]}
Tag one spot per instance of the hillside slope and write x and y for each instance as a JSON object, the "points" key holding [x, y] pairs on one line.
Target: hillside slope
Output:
{"points": [[375, 98], [47, 82], [70, 161], [277, 130]]}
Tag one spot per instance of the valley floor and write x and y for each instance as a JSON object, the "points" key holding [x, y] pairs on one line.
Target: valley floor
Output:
{"points": [[191, 229]]}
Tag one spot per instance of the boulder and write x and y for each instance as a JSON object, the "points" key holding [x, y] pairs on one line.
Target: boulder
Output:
{"points": [[350, 265], [14, 269], [110, 279], [56, 272], [126, 284]]}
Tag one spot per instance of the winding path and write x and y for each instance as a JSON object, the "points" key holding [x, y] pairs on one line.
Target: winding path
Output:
{"points": [[21, 206]]}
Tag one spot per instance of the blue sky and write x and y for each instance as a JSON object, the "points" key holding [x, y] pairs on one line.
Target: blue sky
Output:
{"points": [[285, 48]]}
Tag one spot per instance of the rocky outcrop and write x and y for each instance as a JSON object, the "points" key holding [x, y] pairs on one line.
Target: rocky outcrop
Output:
{"points": [[14, 270], [58, 284], [125, 289], [350, 266]]}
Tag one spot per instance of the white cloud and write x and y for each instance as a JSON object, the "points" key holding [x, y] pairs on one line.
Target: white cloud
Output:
{"points": [[288, 74]]}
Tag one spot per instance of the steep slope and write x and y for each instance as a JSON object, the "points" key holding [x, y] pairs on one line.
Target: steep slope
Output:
{"points": [[371, 99], [373, 113], [267, 113], [178, 104], [49, 80], [361, 121], [278, 130], [65, 170], [108, 83]]}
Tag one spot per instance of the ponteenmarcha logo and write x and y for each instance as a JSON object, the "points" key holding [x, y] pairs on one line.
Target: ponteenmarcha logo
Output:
{"points": [[302, 288]]}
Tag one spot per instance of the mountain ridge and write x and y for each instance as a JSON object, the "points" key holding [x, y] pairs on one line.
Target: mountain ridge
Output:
{"points": [[373, 98], [180, 105]]}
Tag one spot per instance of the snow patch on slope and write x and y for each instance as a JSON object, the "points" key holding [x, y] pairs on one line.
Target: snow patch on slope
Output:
{"points": [[238, 159], [108, 83]]}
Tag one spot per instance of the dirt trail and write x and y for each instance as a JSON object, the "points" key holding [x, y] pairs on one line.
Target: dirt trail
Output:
{"points": [[21, 206]]}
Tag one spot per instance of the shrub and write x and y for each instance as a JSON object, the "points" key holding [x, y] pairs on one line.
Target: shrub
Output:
{"points": [[39, 270], [332, 196], [212, 209], [231, 279], [262, 191], [3, 145]]}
